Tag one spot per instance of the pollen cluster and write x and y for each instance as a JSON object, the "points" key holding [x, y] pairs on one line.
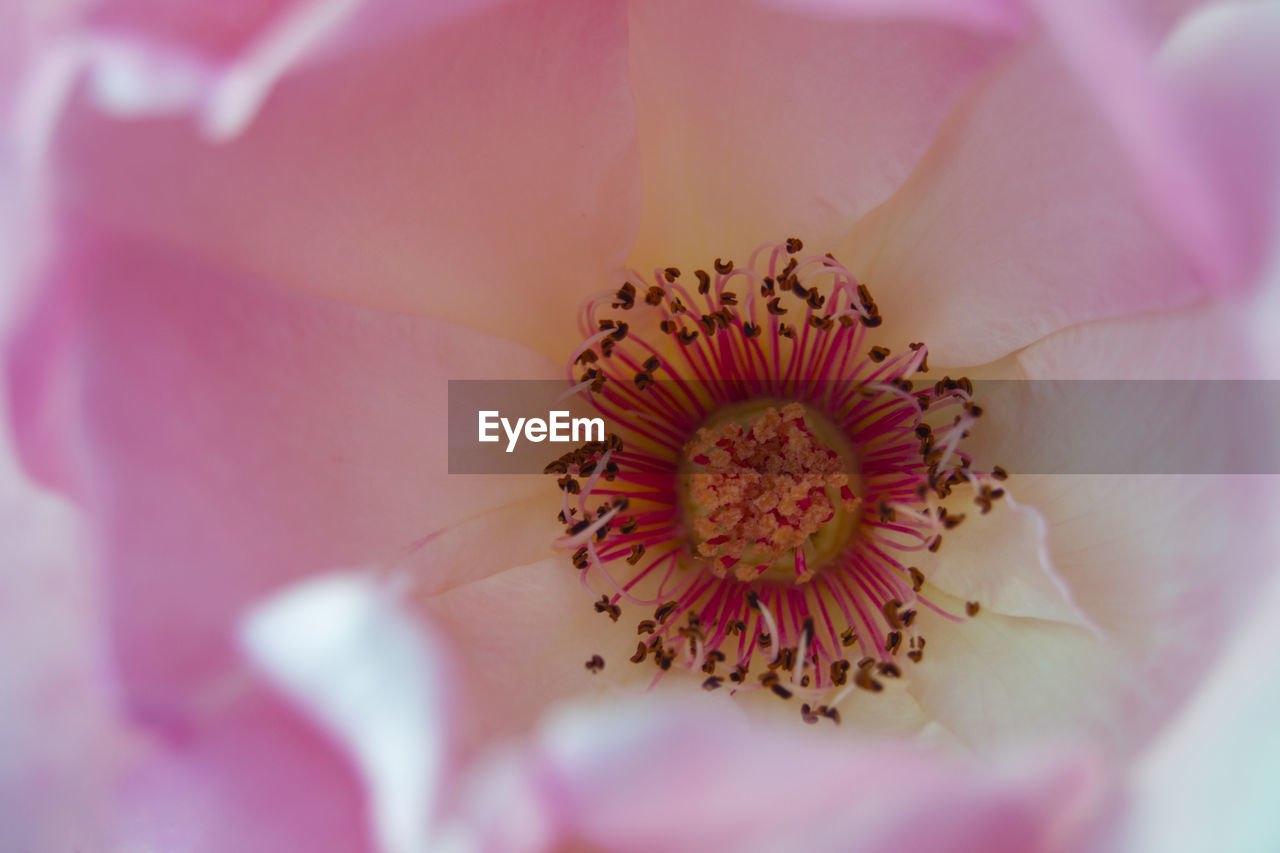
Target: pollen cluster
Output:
{"points": [[761, 490]]}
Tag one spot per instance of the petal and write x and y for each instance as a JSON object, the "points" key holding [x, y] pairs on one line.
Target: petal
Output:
{"points": [[1221, 64], [342, 649], [58, 734], [522, 638], [1025, 216], [226, 437], [248, 774], [1155, 553], [683, 777], [495, 150], [757, 124], [994, 15], [997, 679], [1001, 560], [1219, 756]]}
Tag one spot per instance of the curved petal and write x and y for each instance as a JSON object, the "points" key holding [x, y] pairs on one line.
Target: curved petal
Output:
{"points": [[1000, 16], [225, 437], [481, 171], [1026, 216], [1154, 554], [1219, 757], [58, 733], [1003, 679], [521, 639], [757, 123], [691, 777], [1221, 64], [345, 651], [248, 775]]}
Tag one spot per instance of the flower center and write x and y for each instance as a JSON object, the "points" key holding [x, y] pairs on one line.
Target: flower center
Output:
{"points": [[772, 476], [765, 496]]}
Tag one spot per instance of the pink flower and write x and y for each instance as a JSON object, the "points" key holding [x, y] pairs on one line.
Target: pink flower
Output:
{"points": [[263, 236]]}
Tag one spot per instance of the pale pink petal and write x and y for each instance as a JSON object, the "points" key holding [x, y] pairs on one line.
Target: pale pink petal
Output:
{"points": [[248, 774], [521, 639], [1112, 58], [757, 124], [1209, 781], [1001, 560], [997, 679], [482, 170], [1026, 216], [226, 436], [345, 650], [1222, 64], [1002, 16], [57, 730], [690, 777], [1156, 550]]}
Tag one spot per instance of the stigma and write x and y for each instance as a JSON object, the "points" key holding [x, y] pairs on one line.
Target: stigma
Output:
{"points": [[773, 474]]}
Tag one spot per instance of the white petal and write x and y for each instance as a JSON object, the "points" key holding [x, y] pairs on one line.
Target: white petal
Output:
{"points": [[341, 648]]}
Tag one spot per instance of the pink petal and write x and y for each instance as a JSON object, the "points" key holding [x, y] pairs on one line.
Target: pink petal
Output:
{"points": [[995, 15], [249, 775], [521, 639], [1026, 216], [225, 437], [1222, 64], [757, 124], [354, 660], [417, 177], [675, 777], [1220, 755], [1154, 557], [57, 733], [998, 679]]}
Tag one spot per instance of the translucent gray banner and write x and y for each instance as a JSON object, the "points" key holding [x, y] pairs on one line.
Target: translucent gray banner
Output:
{"points": [[1026, 427]]}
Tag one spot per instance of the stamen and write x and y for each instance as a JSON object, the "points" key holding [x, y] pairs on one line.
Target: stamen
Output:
{"points": [[776, 468]]}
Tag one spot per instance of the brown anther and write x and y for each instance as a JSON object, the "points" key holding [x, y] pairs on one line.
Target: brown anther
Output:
{"points": [[891, 613], [652, 363], [595, 664], [999, 473], [723, 267], [665, 611], [581, 558], [728, 298], [637, 551], [626, 297], [924, 362], [654, 295], [972, 608], [671, 274], [917, 578], [848, 638], [687, 336], [647, 626], [889, 670], [712, 683], [642, 652], [704, 282], [604, 605], [643, 380], [878, 354], [864, 679], [775, 307], [794, 244], [806, 714], [892, 641]]}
